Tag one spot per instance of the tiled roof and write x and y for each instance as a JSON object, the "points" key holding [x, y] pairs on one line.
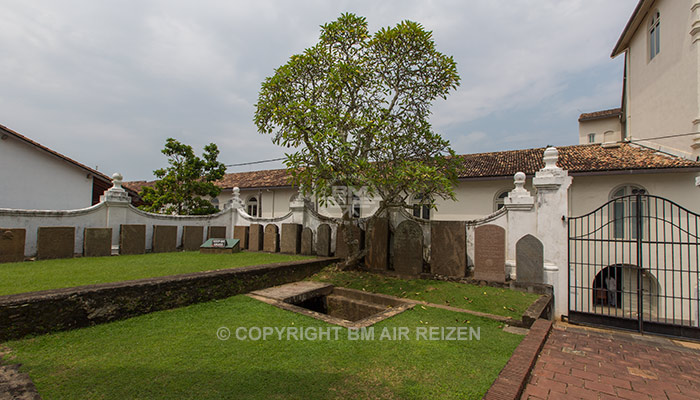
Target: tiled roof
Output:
{"points": [[99, 175], [592, 158], [613, 112]]}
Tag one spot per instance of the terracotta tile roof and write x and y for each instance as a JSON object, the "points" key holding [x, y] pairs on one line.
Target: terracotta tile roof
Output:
{"points": [[576, 159], [97, 174], [613, 112], [592, 158]]}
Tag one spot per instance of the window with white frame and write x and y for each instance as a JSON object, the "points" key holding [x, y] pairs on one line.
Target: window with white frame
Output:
{"points": [[591, 138], [252, 206], [654, 35], [624, 211], [421, 207], [499, 200]]}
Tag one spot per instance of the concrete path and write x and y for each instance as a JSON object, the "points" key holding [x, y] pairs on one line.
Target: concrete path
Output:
{"points": [[588, 363]]}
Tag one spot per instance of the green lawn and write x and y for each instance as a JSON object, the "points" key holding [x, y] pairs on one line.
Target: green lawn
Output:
{"points": [[176, 354], [54, 274], [486, 299]]}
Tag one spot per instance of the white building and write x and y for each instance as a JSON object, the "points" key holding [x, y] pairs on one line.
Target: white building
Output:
{"points": [[33, 176]]}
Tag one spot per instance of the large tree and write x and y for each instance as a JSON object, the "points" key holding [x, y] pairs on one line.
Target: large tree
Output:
{"points": [[182, 186], [356, 110]]}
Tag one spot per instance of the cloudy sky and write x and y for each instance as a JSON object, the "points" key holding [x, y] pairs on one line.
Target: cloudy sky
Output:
{"points": [[106, 82]]}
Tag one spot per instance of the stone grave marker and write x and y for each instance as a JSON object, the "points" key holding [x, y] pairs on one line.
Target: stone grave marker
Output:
{"points": [[378, 245], [220, 246], [529, 260], [55, 242], [192, 237], [132, 239], [164, 239], [241, 233], [323, 241], [255, 237], [12, 245], [353, 244], [490, 253], [271, 241], [291, 239], [218, 232], [97, 242], [408, 248], [448, 248], [307, 241]]}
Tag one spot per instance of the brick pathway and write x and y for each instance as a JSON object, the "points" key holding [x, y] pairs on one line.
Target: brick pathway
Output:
{"points": [[584, 363]]}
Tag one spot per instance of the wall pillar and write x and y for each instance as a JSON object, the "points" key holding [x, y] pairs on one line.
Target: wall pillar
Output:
{"points": [[552, 184], [522, 219], [695, 34], [117, 201]]}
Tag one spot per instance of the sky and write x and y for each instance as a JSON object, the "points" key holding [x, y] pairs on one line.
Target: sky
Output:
{"points": [[107, 82]]}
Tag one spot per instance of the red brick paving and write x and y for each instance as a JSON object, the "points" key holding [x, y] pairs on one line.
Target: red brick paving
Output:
{"points": [[581, 363]]}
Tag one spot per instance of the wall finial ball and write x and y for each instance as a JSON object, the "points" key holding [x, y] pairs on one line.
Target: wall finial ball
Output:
{"points": [[117, 176], [519, 177]]}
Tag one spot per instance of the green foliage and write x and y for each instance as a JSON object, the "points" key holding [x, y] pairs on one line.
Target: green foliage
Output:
{"points": [[181, 185], [356, 108]]}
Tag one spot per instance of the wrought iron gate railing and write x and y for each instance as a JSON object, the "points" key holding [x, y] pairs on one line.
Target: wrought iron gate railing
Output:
{"points": [[633, 264]]}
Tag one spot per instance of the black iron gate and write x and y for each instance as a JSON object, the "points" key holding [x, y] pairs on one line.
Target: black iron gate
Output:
{"points": [[633, 264]]}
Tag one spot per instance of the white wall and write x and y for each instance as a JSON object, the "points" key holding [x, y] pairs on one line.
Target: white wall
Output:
{"points": [[662, 97], [35, 180], [606, 130]]}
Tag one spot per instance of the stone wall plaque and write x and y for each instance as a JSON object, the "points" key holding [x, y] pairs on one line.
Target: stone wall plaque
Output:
{"points": [[55, 242], [164, 239], [323, 240], [307, 241], [490, 253], [218, 232], [290, 242], [448, 248], [255, 237], [241, 233], [132, 239], [377, 243], [529, 260], [97, 242], [349, 240], [220, 246], [271, 241], [192, 237], [408, 248], [12, 243]]}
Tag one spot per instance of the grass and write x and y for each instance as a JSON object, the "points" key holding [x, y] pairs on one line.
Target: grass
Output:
{"points": [[176, 354], [486, 299], [54, 274]]}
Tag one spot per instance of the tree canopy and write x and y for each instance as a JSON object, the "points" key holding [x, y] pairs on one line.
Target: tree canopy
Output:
{"points": [[355, 108], [180, 186]]}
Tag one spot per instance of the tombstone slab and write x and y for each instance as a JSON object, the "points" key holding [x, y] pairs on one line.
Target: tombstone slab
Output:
{"points": [[192, 237], [255, 237], [12, 245], [132, 239], [408, 248], [307, 242], [271, 241], [490, 253], [377, 244], [529, 260], [290, 242], [97, 242], [216, 232], [448, 248], [348, 241], [323, 240], [241, 233], [164, 239], [55, 242], [220, 246]]}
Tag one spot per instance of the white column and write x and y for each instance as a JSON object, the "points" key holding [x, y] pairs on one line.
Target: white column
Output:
{"points": [[695, 34], [117, 201], [552, 184]]}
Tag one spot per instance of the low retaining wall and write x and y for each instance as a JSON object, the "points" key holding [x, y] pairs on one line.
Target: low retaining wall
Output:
{"points": [[64, 309]]}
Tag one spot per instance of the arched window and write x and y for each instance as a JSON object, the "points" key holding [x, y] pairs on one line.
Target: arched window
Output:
{"points": [[252, 206], [625, 211], [499, 200], [421, 207], [654, 35], [215, 202]]}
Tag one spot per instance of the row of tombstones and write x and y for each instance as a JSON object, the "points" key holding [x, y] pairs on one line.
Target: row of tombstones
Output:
{"points": [[59, 241]]}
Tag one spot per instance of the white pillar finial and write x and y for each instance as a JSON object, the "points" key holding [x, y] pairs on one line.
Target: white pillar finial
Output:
{"points": [[116, 193], [551, 156]]}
